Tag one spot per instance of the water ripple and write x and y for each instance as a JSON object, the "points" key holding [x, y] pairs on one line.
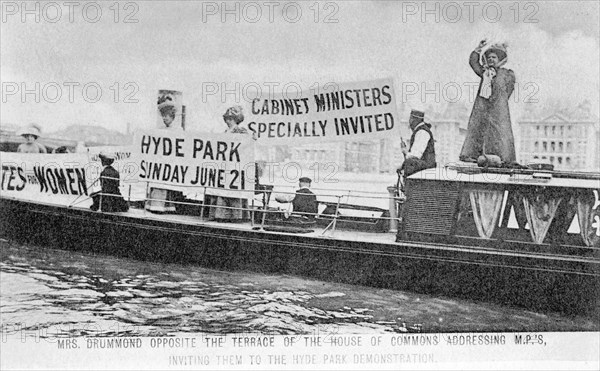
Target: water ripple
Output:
{"points": [[65, 293]]}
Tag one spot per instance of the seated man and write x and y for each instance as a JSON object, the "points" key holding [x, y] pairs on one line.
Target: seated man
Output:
{"points": [[421, 153], [304, 202], [109, 198]]}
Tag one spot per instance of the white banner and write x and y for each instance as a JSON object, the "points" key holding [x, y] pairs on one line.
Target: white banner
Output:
{"points": [[358, 111], [123, 163], [221, 163], [61, 179]]}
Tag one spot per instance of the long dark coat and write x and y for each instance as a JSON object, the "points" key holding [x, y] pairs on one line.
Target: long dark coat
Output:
{"points": [[109, 199], [489, 129]]}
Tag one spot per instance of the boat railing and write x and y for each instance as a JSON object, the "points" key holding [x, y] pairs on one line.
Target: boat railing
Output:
{"points": [[525, 171], [266, 214]]}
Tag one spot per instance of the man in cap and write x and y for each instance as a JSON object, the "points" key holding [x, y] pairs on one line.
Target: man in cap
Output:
{"points": [[109, 198], [304, 202], [420, 155]]}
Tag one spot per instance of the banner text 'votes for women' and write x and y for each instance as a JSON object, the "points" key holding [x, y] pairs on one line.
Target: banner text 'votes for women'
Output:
{"points": [[58, 179]]}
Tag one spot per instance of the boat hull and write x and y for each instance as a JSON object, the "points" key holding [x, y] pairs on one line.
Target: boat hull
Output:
{"points": [[534, 281]]}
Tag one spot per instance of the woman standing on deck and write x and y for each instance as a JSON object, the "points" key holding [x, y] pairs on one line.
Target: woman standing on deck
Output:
{"points": [[160, 200], [31, 133], [489, 130], [229, 208]]}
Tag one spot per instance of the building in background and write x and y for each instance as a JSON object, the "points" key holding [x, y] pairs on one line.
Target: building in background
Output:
{"points": [[379, 156], [449, 136], [320, 154], [364, 157], [385, 155], [568, 139]]}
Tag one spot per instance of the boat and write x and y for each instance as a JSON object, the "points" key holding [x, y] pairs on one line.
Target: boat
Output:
{"points": [[517, 236], [451, 234]]}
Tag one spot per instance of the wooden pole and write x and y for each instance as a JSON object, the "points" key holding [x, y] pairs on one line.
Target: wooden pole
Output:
{"points": [[393, 208]]}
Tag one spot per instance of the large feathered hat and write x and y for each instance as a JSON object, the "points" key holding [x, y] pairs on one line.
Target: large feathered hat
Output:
{"points": [[235, 112], [164, 101], [499, 49]]}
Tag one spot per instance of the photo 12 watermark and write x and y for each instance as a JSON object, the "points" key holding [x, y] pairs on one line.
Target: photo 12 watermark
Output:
{"points": [[453, 92], [239, 92], [69, 11], [469, 11], [270, 11], [69, 92]]}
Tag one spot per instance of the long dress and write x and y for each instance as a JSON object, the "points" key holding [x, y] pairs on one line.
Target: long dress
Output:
{"points": [[160, 200], [489, 130], [228, 208], [109, 199]]}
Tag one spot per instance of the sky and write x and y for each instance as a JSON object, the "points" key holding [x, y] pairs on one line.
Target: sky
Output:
{"points": [[132, 49]]}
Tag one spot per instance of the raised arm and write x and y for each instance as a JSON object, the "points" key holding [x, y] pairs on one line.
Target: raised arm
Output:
{"points": [[474, 59], [475, 65]]}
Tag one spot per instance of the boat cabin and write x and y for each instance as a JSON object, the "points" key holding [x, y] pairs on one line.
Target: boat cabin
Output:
{"points": [[523, 209]]}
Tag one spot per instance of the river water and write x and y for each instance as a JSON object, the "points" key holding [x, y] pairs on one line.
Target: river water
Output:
{"points": [[62, 293]]}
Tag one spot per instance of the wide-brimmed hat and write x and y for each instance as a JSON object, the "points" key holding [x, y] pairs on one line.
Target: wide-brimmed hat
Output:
{"points": [[31, 129], [165, 100], [235, 112], [107, 155], [498, 49]]}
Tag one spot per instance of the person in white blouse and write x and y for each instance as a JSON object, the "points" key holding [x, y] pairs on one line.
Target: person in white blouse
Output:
{"points": [[31, 133], [161, 200], [420, 154]]}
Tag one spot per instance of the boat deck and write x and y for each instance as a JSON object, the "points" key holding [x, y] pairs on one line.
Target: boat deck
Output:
{"points": [[384, 243], [313, 231], [344, 235]]}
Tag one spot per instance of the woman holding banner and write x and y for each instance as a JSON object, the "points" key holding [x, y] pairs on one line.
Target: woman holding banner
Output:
{"points": [[229, 209], [162, 200]]}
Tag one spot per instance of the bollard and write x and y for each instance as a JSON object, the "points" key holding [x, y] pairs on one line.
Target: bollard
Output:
{"points": [[393, 209]]}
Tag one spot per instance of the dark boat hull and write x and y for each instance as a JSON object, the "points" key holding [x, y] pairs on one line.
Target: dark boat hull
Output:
{"points": [[534, 281]]}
